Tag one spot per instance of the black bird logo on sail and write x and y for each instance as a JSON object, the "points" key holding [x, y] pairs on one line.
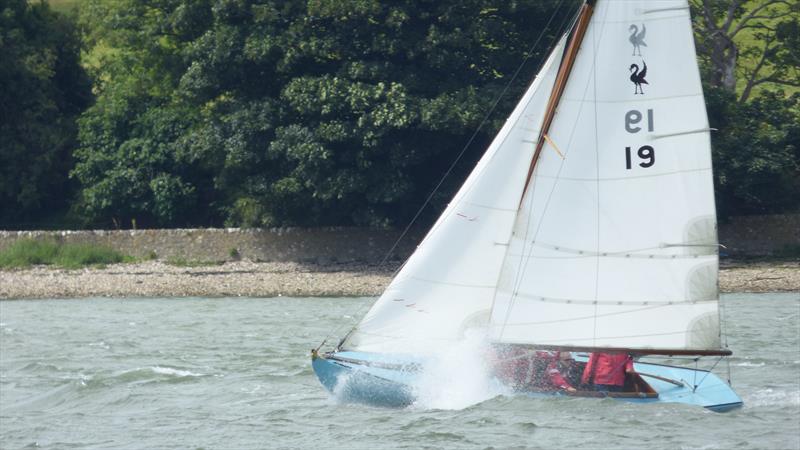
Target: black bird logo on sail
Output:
{"points": [[637, 77]]}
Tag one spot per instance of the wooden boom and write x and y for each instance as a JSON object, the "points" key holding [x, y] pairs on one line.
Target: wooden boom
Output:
{"points": [[630, 351]]}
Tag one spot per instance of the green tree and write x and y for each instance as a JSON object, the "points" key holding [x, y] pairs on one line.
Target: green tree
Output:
{"points": [[288, 113], [746, 44], [131, 161], [756, 152], [44, 89], [748, 55]]}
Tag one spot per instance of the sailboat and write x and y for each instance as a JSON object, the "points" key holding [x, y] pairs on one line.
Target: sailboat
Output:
{"points": [[588, 226]]}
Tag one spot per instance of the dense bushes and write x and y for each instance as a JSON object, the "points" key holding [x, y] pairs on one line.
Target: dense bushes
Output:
{"points": [[266, 112], [43, 90]]}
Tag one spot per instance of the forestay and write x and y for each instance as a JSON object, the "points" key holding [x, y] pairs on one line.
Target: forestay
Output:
{"points": [[448, 284], [615, 243]]}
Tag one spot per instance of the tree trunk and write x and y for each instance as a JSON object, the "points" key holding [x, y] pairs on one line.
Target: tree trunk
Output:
{"points": [[723, 58]]}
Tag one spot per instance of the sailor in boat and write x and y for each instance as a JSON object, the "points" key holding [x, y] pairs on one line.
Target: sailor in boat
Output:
{"points": [[558, 371], [607, 372], [542, 371]]}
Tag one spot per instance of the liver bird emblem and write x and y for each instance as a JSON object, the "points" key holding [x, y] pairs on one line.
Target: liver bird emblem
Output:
{"points": [[637, 38], [638, 77]]}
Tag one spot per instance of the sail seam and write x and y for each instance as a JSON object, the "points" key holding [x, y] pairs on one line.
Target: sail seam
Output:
{"points": [[493, 208], [650, 20], [476, 286], [633, 253], [657, 175], [671, 333], [654, 304], [649, 100], [593, 255]]}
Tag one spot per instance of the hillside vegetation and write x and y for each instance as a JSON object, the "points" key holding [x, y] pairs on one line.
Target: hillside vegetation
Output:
{"points": [[322, 112]]}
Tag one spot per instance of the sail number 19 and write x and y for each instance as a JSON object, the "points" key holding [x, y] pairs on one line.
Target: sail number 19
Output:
{"points": [[646, 153]]}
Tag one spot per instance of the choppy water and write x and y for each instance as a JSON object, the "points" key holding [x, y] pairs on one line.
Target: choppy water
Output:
{"points": [[235, 373]]}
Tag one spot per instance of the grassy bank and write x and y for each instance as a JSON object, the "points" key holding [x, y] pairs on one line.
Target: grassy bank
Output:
{"points": [[29, 252]]}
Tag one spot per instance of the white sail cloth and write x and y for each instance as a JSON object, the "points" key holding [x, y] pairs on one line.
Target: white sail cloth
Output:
{"points": [[448, 284], [615, 244]]}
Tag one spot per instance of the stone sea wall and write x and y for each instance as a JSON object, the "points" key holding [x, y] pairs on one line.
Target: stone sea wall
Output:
{"points": [[314, 246], [742, 236], [776, 234]]}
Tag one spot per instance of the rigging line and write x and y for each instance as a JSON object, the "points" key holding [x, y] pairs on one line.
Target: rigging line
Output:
{"points": [[549, 195], [670, 358], [706, 375], [514, 76], [509, 133], [520, 269], [676, 8], [597, 183], [523, 266], [474, 134], [722, 325]]}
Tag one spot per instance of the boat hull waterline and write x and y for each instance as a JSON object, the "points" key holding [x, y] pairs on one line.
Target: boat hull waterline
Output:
{"points": [[378, 380]]}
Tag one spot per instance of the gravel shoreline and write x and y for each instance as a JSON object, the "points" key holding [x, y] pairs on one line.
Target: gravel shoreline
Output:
{"points": [[260, 279]]}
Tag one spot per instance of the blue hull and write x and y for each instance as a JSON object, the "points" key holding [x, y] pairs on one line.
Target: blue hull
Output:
{"points": [[386, 380]]}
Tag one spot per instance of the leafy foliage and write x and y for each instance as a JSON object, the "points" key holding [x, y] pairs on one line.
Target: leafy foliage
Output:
{"points": [[261, 113], [748, 44], [44, 89], [327, 112], [756, 153]]}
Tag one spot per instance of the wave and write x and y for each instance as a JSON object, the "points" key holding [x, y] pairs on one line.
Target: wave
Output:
{"points": [[139, 375], [750, 364], [175, 372], [773, 397]]}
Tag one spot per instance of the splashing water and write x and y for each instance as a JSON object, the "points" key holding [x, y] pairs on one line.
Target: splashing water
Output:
{"points": [[457, 376]]}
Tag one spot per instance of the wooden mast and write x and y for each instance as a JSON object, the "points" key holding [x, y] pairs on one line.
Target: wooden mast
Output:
{"points": [[561, 82]]}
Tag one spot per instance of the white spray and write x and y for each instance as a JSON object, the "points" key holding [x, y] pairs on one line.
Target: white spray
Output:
{"points": [[457, 376]]}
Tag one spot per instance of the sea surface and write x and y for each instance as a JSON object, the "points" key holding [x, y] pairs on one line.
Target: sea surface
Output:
{"points": [[235, 373]]}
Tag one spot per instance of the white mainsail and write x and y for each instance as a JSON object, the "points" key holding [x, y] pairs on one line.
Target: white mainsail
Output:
{"points": [[615, 245], [448, 284]]}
